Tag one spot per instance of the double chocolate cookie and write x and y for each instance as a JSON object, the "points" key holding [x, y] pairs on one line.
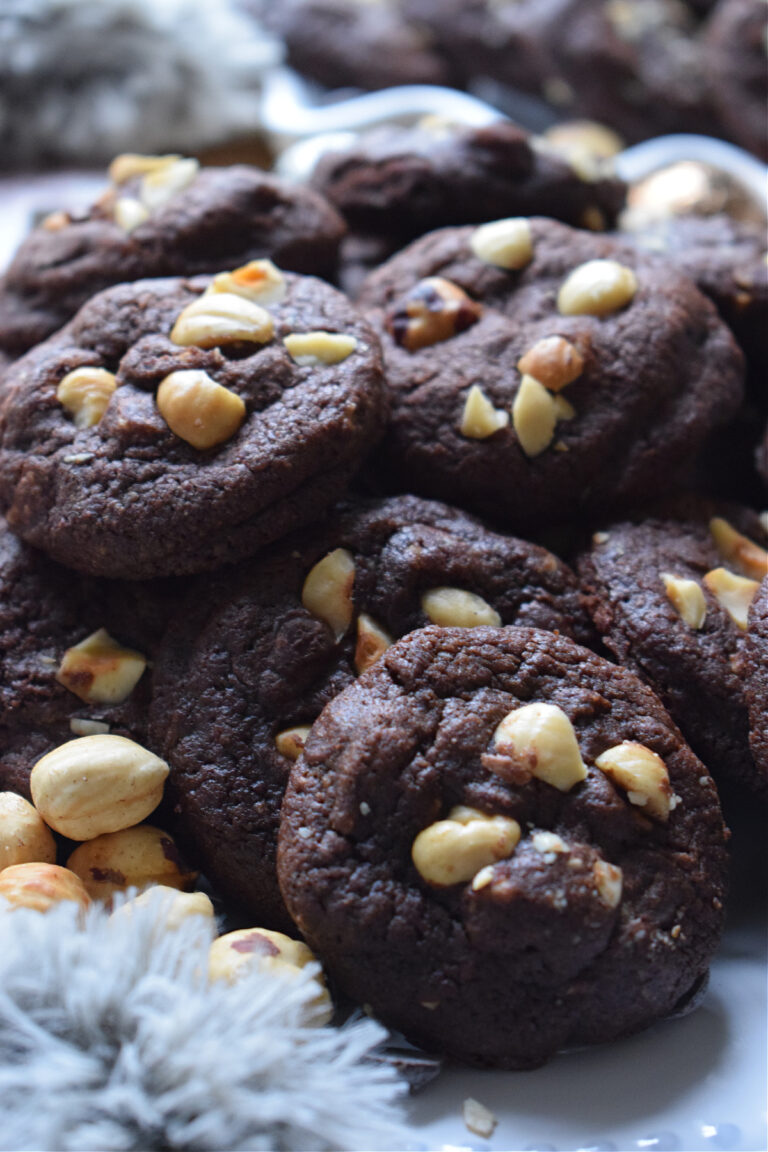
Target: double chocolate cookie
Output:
{"points": [[538, 371], [176, 425], [253, 657], [501, 844], [161, 216], [753, 666], [670, 596]]}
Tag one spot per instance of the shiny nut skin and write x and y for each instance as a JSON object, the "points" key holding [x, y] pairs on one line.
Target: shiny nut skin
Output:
{"points": [[133, 858], [40, 886], [97, 784], [24, 836], [434, 310]]}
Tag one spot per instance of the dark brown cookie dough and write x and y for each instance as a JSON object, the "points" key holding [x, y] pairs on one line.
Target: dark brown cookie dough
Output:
{"points": [[128, 497], [649, 378], [221, 218], [245, 661], [681, 637], [736, 68], [45, 610], [601, 919]]}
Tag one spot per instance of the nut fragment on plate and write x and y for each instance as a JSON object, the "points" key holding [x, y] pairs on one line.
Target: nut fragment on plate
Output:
{"points": [[310, 349], [540, 741], [504, 243], [457, 608], [132, 858], [597, 288], [534, 416], [99, 670], [231, 956], [327, 591], [218, 318], [733, 593], [290, 742], [434, 310], [687, 598], [643, 776], [199, 410], [478, 1118], [85, 393], [454, 850], [258, 280], [24, 836], [41, 886], [553, 361], [480, 419], [97, 784], [372, 642], [739, 550]]}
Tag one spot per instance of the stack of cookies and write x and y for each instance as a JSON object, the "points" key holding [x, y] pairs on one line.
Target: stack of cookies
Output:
{"points": [[418, 594]]}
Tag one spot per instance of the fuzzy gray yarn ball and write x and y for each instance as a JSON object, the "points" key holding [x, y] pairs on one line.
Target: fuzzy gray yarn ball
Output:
{"points": [[112, 1038], [82, 80]]}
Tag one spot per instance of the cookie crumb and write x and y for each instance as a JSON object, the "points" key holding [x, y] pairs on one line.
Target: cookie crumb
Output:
{"points": [[478, 1118]]}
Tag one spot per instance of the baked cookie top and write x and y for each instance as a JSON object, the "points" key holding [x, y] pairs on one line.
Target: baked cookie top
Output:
{"points": [[161, 216], [670, 596], [175, 425], [537, 371], [500, 842], [254, 655], [753, 667]]}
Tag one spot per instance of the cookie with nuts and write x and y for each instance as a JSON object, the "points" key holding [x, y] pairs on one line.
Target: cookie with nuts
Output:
{"points": [[670, 594], [176, 425], [161, 216], [252, 658], [601, 370], [753, 667], [501, 843], [734, 57]]}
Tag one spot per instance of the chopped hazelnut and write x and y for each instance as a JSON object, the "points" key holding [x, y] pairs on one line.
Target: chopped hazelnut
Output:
{"points": [[434, 310]]}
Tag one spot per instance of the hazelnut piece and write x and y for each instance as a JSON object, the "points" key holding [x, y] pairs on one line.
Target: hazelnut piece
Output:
{"points": [[454, 850], [310, 349], [534, 416], [232, 955], [480, 419], [40, 886], [327, 591], [259, 280], [97, 784], [456, 608], [540, 739], [597, 288], [733, 593], [504, 243], [687, 598], [165, 181], [434, 310], [217, 318], [199, 410], [609, 881], [128, 165], [739, 550], [24, 836], [99, 670], [372, 642], [642, 774], [131, 858], [129, 213], [290, 742], [553, 361], [173, 908], [85, 394]]}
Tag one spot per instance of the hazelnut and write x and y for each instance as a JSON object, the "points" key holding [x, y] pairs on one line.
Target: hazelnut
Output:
{"points": [[597, 288], [608, 882], [99, 670], [199, 410], [540, 740], [327, 591], [85, 394], [372, 642], [128, 213], [310, 349], [479, 1119], [642, 774], [480, 419], [131, 858], [217, 318], [454, 850], [232, 955], [455, 608], [290, 742], [164, 182], [80, 726], [553, 361], [687, 598], [259, 280], [97, 784], [548, 843], [733, 593], [564, 410], [748, 557], [173, 908], [434, 310], [24, 837], [40, 886], [534, 416], [55, 221], [504, 243], [131, 164], [578, 138]]}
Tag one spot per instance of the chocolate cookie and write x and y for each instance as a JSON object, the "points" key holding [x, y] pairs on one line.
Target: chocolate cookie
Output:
{"points": [[162, 216], [252, 659], [735, 60], [537, 371], [75, 656], [501, 844], [753, 666], [670, 596], [176, 425]]}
